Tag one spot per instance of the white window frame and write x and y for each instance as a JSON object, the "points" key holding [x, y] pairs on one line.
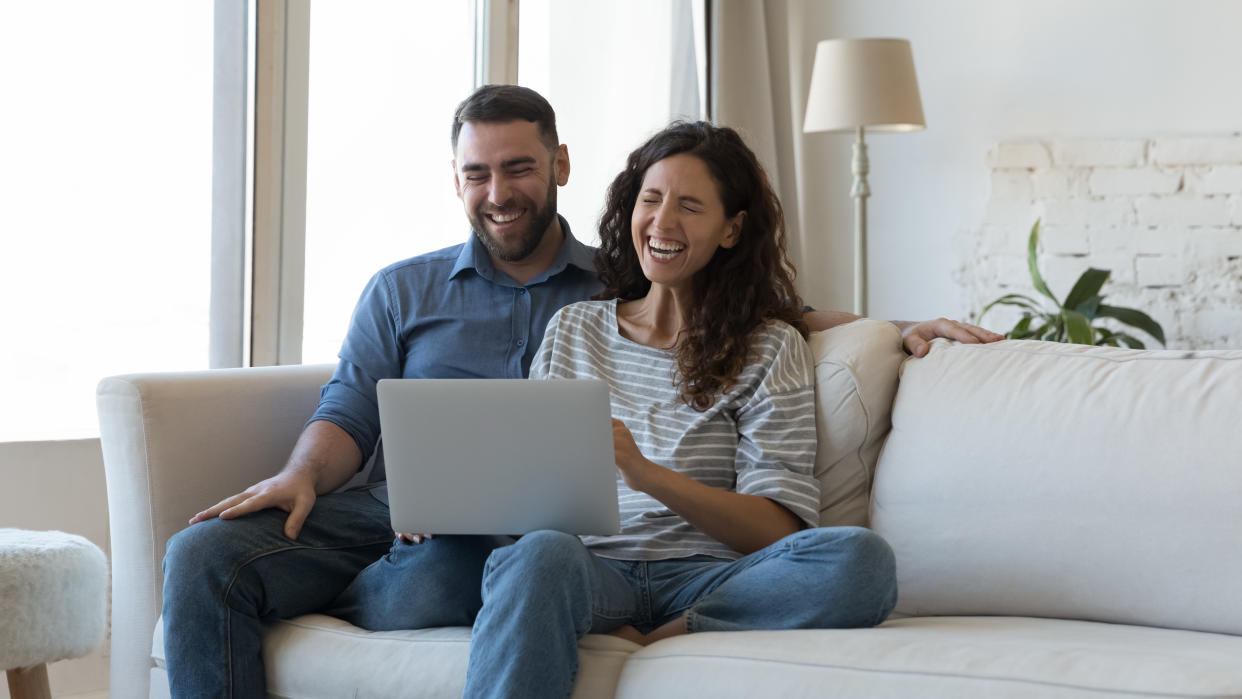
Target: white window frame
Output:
{"points": [[259, 166], [230, 178]]}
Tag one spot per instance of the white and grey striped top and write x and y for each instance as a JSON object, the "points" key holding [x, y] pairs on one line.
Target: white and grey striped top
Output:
{"points": [[758, 438]]}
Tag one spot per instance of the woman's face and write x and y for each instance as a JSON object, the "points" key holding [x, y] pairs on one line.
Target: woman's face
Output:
{"points": [[679, 220]]}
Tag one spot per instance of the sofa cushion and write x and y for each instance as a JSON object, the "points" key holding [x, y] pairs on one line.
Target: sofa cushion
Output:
{"points": [[855, 378], [949, 657], [1052, 480], [321, 656]]}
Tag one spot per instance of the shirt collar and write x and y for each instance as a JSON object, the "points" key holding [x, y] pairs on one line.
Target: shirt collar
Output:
{"points": [[573, 252]]}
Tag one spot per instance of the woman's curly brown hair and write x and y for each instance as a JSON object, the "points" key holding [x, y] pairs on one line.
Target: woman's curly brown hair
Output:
{"points": [[741, 287]]}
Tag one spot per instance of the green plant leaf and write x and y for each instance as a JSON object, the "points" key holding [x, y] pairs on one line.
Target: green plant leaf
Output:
{"points": [[1088, 285], [1055, 329], [1089, 307], [1023, 302], [1077, 328], [1031, 245], [1131, 341], [1133, 318], [1021, 330]]}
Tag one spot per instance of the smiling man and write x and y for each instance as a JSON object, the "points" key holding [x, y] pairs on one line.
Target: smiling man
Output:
{"points": [[290, 545], [508, 189]]}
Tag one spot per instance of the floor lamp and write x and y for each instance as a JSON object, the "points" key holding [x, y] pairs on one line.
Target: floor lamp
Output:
{"points": [[860, 84]]}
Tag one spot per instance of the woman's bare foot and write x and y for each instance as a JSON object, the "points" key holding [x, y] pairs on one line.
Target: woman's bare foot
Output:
{"points": [[676, 627], [630, 634]]}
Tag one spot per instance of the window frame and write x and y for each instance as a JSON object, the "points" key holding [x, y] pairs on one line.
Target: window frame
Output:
{"points": [[259, 166]]}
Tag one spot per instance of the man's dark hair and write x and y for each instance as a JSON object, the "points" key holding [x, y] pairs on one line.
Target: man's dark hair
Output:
{"points": [[501, 103]]}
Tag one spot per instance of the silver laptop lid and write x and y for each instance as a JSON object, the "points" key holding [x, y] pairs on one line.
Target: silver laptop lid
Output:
{"points": [[498, 456]]}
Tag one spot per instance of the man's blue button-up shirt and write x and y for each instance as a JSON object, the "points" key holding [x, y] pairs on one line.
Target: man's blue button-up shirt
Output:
{"points": [[447, 314]]}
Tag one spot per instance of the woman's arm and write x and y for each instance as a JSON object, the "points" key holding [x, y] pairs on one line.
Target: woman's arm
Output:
{"points": [[744, 523]]}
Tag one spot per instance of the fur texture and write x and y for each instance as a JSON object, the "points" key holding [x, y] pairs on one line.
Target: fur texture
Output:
{"points": [[53, 597]]}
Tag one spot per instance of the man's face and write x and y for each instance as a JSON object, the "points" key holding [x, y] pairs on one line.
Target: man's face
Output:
{"points": [[506, 179]]}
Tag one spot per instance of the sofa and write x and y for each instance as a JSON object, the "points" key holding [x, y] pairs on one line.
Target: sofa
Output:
{"points": [[1067, 522]]}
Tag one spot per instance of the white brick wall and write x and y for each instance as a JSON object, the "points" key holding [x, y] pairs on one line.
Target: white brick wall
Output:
{"points": [[1164, 215]]}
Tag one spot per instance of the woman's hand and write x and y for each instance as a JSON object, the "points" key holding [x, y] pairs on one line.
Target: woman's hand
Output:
{"points": [[634, 467], [744, 523], [412, 538]]}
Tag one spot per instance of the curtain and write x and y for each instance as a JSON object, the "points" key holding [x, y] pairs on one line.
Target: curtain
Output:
{"points": [[761, 58]]}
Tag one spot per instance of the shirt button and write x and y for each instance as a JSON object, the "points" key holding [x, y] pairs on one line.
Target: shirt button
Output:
{"points": [[521, 292], [521, 343]]}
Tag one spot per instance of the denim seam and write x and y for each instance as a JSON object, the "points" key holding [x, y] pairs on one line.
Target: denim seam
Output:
{"points": [[787, 544], [602, 612], [229, 611], [645, 578], [488, 566]]}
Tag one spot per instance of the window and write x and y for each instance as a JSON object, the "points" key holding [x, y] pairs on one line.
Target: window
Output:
{"points": [[105, 226], [612, 87], [106, 188], [385, 78]]}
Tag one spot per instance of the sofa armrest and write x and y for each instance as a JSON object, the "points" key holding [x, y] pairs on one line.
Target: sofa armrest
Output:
{"points": [[174, 444]]}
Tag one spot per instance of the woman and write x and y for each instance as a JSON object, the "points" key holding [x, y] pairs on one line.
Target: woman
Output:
{"points": [[699, 335]]}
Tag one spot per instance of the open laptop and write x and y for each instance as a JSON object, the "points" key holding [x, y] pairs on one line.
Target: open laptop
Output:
{"points": [[498, 456]]}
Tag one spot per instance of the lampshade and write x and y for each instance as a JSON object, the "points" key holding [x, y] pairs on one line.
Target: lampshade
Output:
{"points": [[864, 82]]}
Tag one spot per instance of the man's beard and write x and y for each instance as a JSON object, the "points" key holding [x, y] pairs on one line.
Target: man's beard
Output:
{"points": [[527, 240]]}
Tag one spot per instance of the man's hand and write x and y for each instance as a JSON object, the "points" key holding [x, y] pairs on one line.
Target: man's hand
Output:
{"points": [[293, 492], [917, 337]]}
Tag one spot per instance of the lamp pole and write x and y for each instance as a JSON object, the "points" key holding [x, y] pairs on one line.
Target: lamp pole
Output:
{"points": [[860, 192]]}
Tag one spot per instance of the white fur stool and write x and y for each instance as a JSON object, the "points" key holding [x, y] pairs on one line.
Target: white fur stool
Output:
{"points": [[53, 604]]}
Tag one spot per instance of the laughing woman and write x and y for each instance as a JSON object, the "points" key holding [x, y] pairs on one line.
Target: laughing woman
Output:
{"points": [[699, 336]]}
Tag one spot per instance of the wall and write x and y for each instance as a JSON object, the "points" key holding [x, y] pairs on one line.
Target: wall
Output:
{"points": [[1163, 215], [991, 72], [59, 485]]}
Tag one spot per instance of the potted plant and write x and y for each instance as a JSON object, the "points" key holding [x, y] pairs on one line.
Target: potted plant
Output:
{"points": [[1074, 319]]}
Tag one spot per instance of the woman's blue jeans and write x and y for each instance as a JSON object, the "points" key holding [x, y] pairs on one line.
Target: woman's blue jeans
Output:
{"points": [[545, 592]]}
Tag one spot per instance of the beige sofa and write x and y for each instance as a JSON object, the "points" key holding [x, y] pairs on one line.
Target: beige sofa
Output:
{"points": [[1067, 522]]}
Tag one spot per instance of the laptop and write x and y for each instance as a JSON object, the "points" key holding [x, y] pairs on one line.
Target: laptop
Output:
{"points": [[499, 456]]}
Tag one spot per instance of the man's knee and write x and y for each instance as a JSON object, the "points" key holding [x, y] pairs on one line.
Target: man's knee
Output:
{"points": [[195, 550], [212, 550]]}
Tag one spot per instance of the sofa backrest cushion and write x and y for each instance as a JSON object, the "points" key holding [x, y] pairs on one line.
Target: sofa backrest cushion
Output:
{"points": [[856, 367], [1049, 480]]}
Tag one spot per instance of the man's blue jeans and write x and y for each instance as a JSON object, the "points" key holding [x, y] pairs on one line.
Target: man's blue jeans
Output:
{"points": [[545, 592], [222, 578]]}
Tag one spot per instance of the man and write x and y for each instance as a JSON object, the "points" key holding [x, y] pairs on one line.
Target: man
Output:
{"points": [[289, 545]]}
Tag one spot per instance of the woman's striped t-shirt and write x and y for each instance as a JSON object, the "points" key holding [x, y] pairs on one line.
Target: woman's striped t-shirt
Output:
{"points": [[758, 438]]}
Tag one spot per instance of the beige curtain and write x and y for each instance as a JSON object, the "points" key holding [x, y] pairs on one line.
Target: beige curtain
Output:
{"points": [[761, 57]]}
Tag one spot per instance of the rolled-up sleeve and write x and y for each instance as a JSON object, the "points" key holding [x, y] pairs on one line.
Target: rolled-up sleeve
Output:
{"points": [[372, 350], [777, 440]]}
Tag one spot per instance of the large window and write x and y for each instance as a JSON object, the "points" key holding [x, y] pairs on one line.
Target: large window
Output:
{"points": [[384, 80], [612, 86], [105, 202], [106, 166]]}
